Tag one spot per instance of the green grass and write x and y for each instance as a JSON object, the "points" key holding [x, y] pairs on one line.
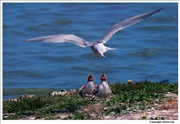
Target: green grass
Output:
{"points": [[125, 98], [141, 91], [42, 106]]}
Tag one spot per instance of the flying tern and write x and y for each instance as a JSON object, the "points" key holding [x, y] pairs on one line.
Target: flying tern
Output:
{"points": [[98, 46]]}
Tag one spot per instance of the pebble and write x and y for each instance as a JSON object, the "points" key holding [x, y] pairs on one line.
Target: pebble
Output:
{"points": [[61, 92], [105, 109], [113, 113], [130, 82], [128, 109], [14, 99], [152, 108], [134, 110], [157, 100], [26, 96]]}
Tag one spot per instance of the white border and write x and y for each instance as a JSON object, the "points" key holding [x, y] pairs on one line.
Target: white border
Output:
{"points": [[66, 121]]}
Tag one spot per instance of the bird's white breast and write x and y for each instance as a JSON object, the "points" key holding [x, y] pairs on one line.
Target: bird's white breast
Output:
{"points": [[100, 47]]}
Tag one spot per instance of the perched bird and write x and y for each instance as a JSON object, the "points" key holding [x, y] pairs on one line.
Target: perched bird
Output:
{"points": [[88, 87], [103, 90], [97, 46]]}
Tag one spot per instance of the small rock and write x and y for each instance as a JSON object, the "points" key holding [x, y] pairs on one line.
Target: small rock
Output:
{"points": [[105, 109], [61, 92], [128, 109], [157, 100], [152, 108], [130, 112], [25, 96], [53, 93], [22, 97], [134, 110], [130, 82], [14, 99], [113, 113], [31, 95], [6, 116], [71, 92]]}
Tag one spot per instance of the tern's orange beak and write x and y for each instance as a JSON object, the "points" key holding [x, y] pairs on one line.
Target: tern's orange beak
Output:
{"points": [[103, 77], [90, 77]]}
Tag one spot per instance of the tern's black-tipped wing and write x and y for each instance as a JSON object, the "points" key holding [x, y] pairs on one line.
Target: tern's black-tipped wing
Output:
{"points": [[123, 24]]}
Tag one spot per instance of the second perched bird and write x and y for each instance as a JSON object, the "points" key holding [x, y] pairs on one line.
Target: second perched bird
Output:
{"points": [[103, 90]]}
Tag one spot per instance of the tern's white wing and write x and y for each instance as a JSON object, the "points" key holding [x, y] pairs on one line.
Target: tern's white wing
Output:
{"points": [[60, 39], [123, 24]]}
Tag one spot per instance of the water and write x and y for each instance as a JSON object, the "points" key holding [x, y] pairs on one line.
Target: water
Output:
{"points": [[147, 50]]}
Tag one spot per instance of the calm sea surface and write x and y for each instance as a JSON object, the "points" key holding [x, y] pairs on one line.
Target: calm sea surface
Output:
{"points": [[147, 50]]}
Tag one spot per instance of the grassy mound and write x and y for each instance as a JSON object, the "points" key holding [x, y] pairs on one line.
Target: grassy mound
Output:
{"points": [[125, 98]]}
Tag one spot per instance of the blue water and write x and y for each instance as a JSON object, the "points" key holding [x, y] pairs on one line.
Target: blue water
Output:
{"points": [[147, 50]]}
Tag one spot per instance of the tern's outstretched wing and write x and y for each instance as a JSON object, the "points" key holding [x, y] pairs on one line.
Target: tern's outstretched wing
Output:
{"points": [[61, 38], [123, 24]]}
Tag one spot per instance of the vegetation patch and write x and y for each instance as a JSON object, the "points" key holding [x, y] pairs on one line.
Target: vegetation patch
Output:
{"points": [[125, 98]]}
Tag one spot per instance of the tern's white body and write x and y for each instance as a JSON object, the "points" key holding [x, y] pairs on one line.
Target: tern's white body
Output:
{"points": [[87, 88], [99, 49], [103, 90]]}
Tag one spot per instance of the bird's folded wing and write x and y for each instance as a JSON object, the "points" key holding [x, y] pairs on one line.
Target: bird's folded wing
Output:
{"points": [[61, 38], [95, 90], [123, 24], [80, 90]]}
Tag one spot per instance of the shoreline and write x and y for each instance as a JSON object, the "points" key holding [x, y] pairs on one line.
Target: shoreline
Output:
{"points": [[138, 101], [9, 93]]}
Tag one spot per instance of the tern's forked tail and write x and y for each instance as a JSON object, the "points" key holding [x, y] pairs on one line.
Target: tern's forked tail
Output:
{"points": [[109, 48]]}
